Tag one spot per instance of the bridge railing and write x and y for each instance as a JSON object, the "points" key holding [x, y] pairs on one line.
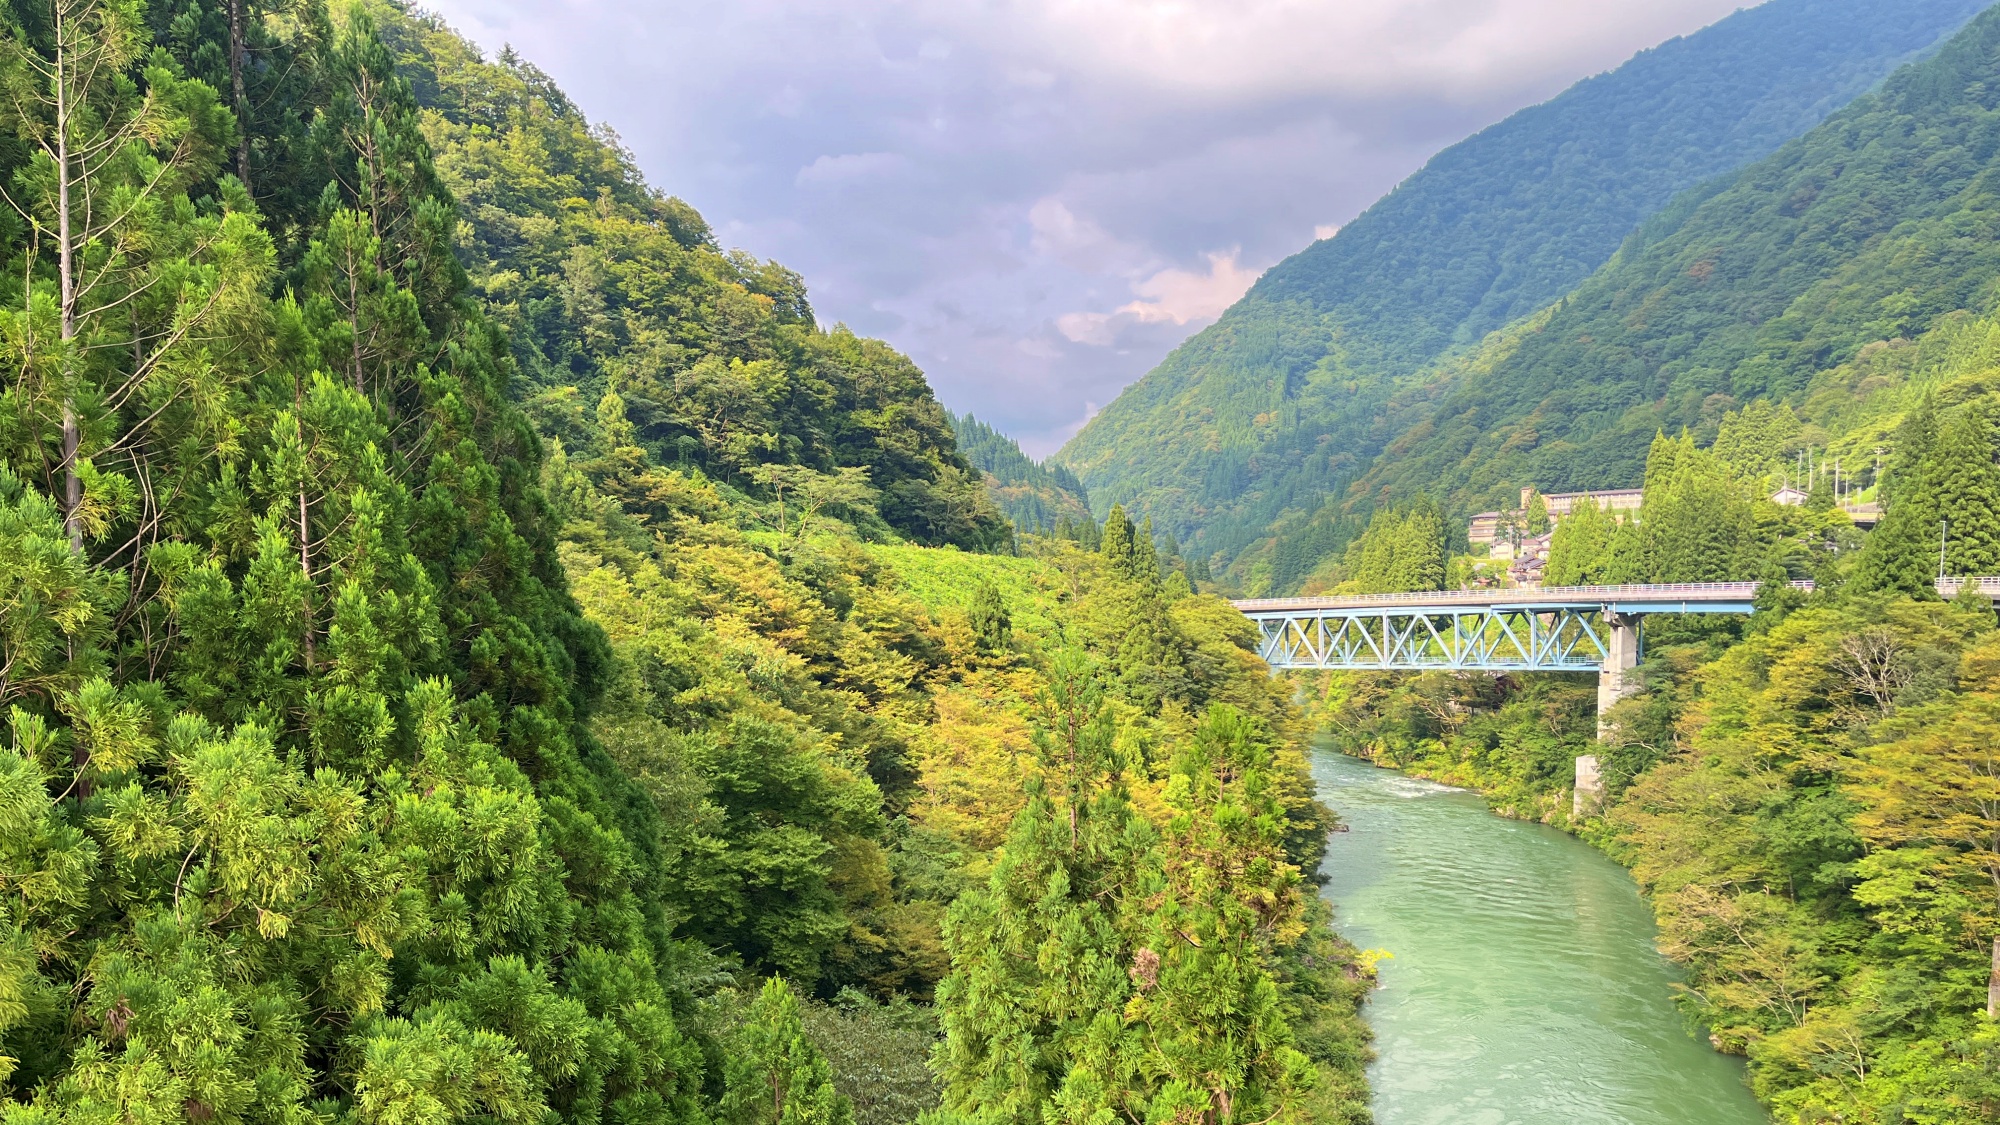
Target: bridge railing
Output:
{"points": [[1545, 595]]}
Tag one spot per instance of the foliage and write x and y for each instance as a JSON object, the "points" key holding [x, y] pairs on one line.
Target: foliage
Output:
{"points": [[1316, 372], [1035, 495], [606, 285], [368, 754]]}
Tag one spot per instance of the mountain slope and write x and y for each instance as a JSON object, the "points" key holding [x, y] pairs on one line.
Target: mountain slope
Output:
{"points": [[1033, 494], [1277, 403], [1865, 233]]}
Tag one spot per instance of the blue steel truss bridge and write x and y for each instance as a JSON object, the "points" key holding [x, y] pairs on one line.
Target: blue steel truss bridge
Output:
{"points": [[1558, 629], [1562, 629]]}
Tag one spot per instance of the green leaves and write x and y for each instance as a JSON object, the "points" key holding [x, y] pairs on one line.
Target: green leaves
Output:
{"points": [[775, 1076]]}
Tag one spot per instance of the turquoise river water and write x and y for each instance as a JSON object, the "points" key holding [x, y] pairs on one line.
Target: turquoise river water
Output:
{"points": [[1523, 986]]}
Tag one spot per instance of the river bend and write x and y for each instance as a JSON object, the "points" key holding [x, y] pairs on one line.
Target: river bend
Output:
{"points": [[1524, 988]]}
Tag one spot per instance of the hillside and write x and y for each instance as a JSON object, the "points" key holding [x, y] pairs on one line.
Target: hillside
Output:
{"points": [[1035, 495], [474, 650], [1279, 402], [1821, 263]]}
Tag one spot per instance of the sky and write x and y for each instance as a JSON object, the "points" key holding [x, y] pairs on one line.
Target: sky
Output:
{"points": [[1038, 199]]}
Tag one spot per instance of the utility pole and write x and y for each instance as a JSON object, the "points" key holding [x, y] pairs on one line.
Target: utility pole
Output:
{"points": [[1944, 526]]}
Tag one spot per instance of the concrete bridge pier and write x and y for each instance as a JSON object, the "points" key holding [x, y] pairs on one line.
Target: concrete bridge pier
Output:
{"points": [[1615, 681]]}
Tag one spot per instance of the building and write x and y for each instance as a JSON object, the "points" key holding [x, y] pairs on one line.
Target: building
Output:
{"points": [[1489, 528]]}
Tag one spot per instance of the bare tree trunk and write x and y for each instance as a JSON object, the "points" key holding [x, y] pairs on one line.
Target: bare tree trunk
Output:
{"points": [[66, 277], [305, 527], [242, 101]]}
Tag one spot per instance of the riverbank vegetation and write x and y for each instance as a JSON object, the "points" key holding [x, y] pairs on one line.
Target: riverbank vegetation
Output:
{"points": [[1807, 796], [473, 649]]}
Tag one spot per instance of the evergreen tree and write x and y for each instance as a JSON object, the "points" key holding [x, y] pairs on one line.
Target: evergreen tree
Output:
{"points": [[776, 1076], [1663, 459], [1400, 551], [1537, 516], [991, 623], [1911, 448], [1145, 553], [1207, 1039], [1949, 501], [1038, 961], [1698, 521], [1627, 560], [1580, 548], [1962, 483], [1117, 547]]}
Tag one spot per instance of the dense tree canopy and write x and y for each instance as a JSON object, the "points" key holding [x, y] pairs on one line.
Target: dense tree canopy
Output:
{"points": [[470, 647]]}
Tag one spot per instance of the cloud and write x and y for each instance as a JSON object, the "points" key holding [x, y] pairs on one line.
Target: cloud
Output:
{"points": [[1169, 296], [840, 171], [1028, 197]]}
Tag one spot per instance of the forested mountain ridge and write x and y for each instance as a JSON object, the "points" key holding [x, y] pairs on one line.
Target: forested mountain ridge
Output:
{"points": [[1867, 232], [369, 756], [1035, 495], [604, 283], [1279, 402]]}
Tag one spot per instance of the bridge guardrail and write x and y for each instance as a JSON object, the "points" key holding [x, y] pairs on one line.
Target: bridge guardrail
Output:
{"points": [[1549, 595]]}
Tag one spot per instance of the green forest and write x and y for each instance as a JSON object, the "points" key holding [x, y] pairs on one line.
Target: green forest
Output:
{"points": [[1806, 795], [1362, 364], [473, 649], [1035, 496]]}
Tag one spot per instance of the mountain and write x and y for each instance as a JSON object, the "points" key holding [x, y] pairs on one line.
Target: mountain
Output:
{"points": [[1803, 279], [1279, 403], [1035, 495]]}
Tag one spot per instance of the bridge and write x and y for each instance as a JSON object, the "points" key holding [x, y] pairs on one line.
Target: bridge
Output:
{"points": [[1556, 629]]}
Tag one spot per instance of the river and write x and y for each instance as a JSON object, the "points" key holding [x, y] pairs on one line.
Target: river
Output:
{"points": [[1523, 987]]}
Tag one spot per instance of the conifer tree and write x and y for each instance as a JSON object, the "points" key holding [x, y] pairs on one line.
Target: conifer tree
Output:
{"points": [[1145, 553], [1117, 547], [98, 342], [1663, 459], [1626, 559], [1537, 516], [1208, 1040], [1963, 484], [776, 1076], [1037, 956], [992, 625], [1579, 549], [1697, 520], [1910, 449], [1949, 501]]}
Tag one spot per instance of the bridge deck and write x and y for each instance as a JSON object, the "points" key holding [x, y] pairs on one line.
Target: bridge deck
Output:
{"points": [[1626, 598]]}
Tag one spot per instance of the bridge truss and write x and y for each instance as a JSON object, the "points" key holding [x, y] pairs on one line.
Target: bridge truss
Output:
{"points": [[1492, 638], [1567, 629]]}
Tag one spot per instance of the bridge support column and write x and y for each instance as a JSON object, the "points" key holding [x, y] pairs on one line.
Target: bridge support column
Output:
{"points": [[1588, 796], [1615, 680]]}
